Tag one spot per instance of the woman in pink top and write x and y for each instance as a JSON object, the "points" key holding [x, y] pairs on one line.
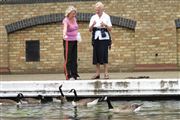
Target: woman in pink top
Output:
{"points": [[70, 30]]}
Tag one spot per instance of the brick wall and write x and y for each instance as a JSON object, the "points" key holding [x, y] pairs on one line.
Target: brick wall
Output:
{"points": [[153, 44], [178, 45], [51, 51]]}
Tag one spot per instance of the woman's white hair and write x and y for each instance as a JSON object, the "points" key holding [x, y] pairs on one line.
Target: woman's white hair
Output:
{"points": [[99, 4], [69, 10]]}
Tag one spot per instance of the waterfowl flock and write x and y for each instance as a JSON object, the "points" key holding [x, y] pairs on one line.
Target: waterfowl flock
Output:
{"points": [[30, 100], [20, 99]]}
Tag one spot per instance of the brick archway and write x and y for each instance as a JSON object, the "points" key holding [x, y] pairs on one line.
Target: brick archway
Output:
{"points": [[53, 18]]}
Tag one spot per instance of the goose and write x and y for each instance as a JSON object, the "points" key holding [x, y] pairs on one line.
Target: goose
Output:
{"points": [[4, 102], [28, 100], [60, 99], [126, 109], [89, 102]]}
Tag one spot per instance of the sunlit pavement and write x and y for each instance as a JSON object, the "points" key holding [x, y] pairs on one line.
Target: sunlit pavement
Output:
{"points": [[87, 76]]}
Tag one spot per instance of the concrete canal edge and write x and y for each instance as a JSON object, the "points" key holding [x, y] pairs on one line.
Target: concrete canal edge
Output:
{"points": [[93, 88]]}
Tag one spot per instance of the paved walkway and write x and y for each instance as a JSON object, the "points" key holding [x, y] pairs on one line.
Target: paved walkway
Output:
{"points": [[87, 76]]}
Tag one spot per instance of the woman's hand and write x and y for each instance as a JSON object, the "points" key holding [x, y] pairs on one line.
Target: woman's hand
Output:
{"points": [[103, 25], [64, 36], [106, 26], [91, 27]]}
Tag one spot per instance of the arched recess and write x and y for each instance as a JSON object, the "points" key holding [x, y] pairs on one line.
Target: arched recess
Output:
{"points": [[38, 1], [53, 18]]}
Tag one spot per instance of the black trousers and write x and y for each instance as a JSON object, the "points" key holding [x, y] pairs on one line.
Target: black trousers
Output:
{"points": [[100, 51], [70, 59]]}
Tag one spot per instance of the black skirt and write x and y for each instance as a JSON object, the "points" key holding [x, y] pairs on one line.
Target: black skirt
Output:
{"points": [[100, 51]]}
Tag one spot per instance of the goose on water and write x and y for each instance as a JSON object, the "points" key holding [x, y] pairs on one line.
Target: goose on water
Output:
{"points": [[128, 108], [4, 102], [29, 100], [60, 99], [89, 102]]}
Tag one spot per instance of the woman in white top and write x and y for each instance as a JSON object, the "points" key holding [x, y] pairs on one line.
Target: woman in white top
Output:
{"points": [[100, 25]]}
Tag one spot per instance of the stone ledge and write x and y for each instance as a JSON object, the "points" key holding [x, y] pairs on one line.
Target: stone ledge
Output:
{"points": [[94, 88]]}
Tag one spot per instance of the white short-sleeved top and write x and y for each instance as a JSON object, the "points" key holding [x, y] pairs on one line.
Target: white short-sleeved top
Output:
{"points": [[105, 18]]}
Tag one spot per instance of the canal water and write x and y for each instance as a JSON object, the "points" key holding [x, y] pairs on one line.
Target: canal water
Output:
{"points": [[151, 110]]}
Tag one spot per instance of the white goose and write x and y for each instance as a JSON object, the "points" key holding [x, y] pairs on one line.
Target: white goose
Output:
{"points": [[89, 102], [126, 109]]}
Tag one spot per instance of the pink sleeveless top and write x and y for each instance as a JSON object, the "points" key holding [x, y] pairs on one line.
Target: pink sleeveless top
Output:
{"points": [[72, 30]]}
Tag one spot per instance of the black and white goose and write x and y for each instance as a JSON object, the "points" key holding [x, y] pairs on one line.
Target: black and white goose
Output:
{"points": [[30, 100], [4, 102], [89, 102], [126, 109], [60, 99]]}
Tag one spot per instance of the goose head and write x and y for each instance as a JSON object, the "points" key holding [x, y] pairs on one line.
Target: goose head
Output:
{"points": [[19, 98], [136, 107], [40, 97], [74, 91], [75, 97], [60, 90]]}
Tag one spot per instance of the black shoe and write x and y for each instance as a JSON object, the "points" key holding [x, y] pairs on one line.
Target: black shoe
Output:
{"points": [[96, 77], [77, 77]]}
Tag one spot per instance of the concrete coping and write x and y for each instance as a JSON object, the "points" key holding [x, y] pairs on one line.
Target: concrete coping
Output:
{"points": [[93, 88]]}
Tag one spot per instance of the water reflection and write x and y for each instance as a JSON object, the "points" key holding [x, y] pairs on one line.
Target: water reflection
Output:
{"points": [[157, 110]]}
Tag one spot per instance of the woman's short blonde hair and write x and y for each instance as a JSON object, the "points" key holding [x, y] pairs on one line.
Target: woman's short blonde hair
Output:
{"points": [[69, 10], [99, 4]]}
